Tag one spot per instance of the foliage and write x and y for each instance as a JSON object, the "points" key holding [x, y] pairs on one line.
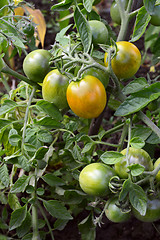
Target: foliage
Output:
{"points": [[44, 149]]}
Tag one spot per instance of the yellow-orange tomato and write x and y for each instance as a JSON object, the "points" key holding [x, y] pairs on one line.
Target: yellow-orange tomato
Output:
{"points": [[126, 61], [87, 97]]}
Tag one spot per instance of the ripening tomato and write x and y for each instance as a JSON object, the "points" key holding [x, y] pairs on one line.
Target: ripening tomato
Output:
{"points": [[114, 213], [127, 60], [87, 97], [36, 65], [138, 156], [54, 88], [152, 212], [94, 179]]}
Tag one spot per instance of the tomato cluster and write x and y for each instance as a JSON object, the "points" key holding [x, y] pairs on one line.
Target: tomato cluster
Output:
{"points": [[95, 180]]}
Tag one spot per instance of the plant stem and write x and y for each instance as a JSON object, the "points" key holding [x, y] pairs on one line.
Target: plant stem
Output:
{"points": [[34, 210], [46, 220], [5, 83], [13, 73], [123, 136], [26, 117]]}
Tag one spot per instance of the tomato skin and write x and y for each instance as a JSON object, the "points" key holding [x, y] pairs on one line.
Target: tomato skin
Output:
{"points": [[152, 212], [94, 179], [155, 17], [87, 97], [114, 213], [114, 11], [126, 61], [36, 65], [54, 88], [139, 156], [99, 32], [157, 162]]}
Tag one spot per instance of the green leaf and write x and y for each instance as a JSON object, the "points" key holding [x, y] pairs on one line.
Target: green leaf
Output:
{"points": [[4, 175], [138, 198], [13, 201], [88, 5], [61, 36], [4, 123], [87, 147], [53, 180], [24, 163], [136, 169], [142, 21], [40, 153], [29, 147], [153, 139], [17, 217], [83, 29], [44, 136], [87, 228], [139, 100], [62, 5], [14, 139], [21, 184], [25, 227], [48, 122], [135, 86], [137, 142], [74, 196], [60, 224], [125, 190], [57, 210], [141, 131], [7, 106], [149, 5], [111, 157], [50, 109]]}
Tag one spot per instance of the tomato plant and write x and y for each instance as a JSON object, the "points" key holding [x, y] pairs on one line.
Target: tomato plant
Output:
{"points": [[4, 11], [94, 179], [36, 65], [87, 97], [28, 29], [126, 61], [54, 88], [157, 162], [152, 213], [114, 213], [99, 32], [135, 156]]}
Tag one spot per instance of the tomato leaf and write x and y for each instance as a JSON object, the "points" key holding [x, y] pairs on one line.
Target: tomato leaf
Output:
{"points": [[149, 5], [139, 100], [135, 86], [88, 4], [57, 210], [85, 225], [17, 217], [136, 169], [21, 184], [87, 147], [13, 201], [138, 198], [142, 21], [83, 29], [53, 180], [111, 157], [48, 122], [4, 175], [50, 109], [25, 227], [63, 5], [141, 131], [137, 142]]}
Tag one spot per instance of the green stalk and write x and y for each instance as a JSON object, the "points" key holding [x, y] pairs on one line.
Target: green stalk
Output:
{"points": [[123, 136], [26, 117], [19, 76], [5, 83]]}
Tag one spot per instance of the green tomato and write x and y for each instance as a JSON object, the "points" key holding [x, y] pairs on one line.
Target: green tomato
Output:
{"points": [[54, 88], [36, 65], [135, 156], [157, 162], [99, 32], [155, 17], [94, 179], [152, 212], [114, 213], [114, 11]]}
